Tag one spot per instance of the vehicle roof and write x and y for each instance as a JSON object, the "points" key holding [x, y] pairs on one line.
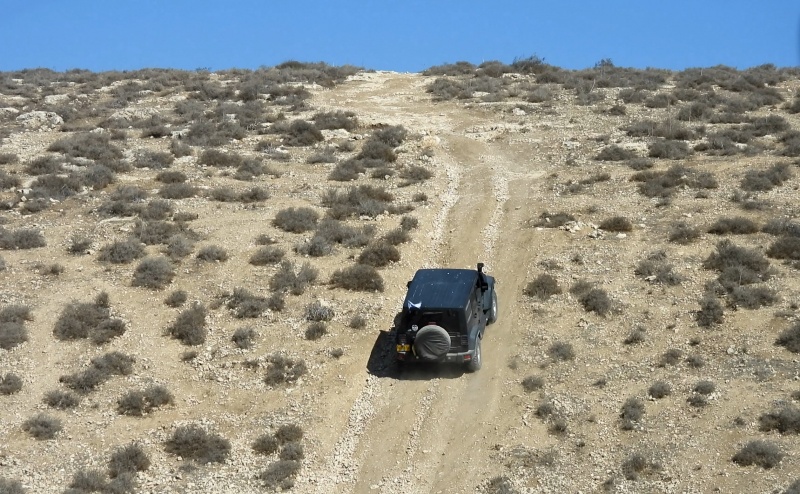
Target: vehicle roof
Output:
{"points": [[440, 288]]}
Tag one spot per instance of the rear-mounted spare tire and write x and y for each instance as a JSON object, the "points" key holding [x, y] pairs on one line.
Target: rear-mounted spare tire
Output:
{"points": [[432, 342]]}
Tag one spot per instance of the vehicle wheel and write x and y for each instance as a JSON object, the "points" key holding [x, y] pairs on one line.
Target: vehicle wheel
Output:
{"points": [[493, 310], [432, 342], [477, 359]]}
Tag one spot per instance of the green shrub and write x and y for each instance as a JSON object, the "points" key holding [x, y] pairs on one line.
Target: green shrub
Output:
{"points": [[10, 384], [42, 426], [358, 277], [192, 442], [121, 251], [296, 220], [190, 326], [153, 272], [61, 400], [128, 459], [764, 454]]}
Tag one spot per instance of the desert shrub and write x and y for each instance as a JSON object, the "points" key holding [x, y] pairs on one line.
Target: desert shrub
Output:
{"points": [[324, 156], [212, 253], [787, 247], [296, 220], [670, 357], [244, 337], [190, 326], [785, 419], [316, 330], [45, 165], [655, 268], [738, 225], [637, 464], [176, 298], [695, 361], [596, 300], [154, 160], [782, 226], [283, 369], [85, 480], [302, 133], [128, 459], [317, 246], [729, 255], [102, 368], [280, 474], [193, 442], [178, 246], [8, 158], [286, 279], [61, 400], [92, 145], [561, 351], [155, 232], [8, 181], [121, 251], [267, 255], [790, 339], [396, 236], [223, 194], [184, 216], [289, 433], [617, 224], [543, 287], [374, 149], [765, 180], [253, 194], [292, 451], [362, 200], [414, 174], [266, 444], [379, 254], [637, 335], [338, 119], [179, 149], [317, 311], [357, 322], [42, 426], [752, 297], [9, 486], [358, 277], [153, 272], [171, 177], [12, 334], [553, 220], [615, 153], [704, 387], [157, 209], [141, 402], [668, 149], [765, 454], [532, 383], [245, 304], [632, 411], [545, 409], [659, 389], [180, 190], [22, 238], [10, 384]]}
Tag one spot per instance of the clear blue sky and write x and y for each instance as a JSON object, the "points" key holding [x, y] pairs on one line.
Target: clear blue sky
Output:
{"points": [[408, 35]]}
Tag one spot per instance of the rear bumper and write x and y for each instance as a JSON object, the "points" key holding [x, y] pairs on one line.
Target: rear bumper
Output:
{"points": [[453, 357]]}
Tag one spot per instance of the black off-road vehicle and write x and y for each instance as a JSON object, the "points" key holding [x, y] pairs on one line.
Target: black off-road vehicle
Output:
{"points": [[444, 315]]}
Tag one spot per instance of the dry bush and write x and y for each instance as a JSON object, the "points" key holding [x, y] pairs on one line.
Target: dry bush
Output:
{"points": [[92, 145], [171, 177], [659, 389], [121, 251], [338, 119], [178, 190], [12, 334], [266, 444], [396, 236], [178, 246], [212, 253], [765, 454], [553, 220], [10, 384], [616, 224], [22, 238], [335, 231], [636, 336], [414, 174], [786, 247], [317, 311], [532, 383], [316, 330], [362, 200], [738, 225], [632, 412], [379, 254], [638, 464], [358, 277], [176, 298], [193, 442], [766, 180], [42, 426], [543, 287], [655, 268], [357, 322], [595, 300], [153, 272], [267, 255], [615, 153], [280, 474], [561, 351], [128, 459], [296, 220], [286, 279], [247, 305], [790, 339], [785, 419], [283, 369], [154, 160], [139, 403], [302, 133], [190, 326], [9, 486], [61, 400], [244, 337]]}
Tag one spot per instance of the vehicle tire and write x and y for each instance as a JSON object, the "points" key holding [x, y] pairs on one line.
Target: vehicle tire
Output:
{"points": [[493, 310], [432, 342], [477, 358]]}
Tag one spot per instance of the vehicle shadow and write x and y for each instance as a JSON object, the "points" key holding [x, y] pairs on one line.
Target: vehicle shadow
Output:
{"points": [[381, 363]]}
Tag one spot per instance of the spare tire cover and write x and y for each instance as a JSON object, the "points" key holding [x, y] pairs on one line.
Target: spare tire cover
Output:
{"points": [[432, 342]]}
